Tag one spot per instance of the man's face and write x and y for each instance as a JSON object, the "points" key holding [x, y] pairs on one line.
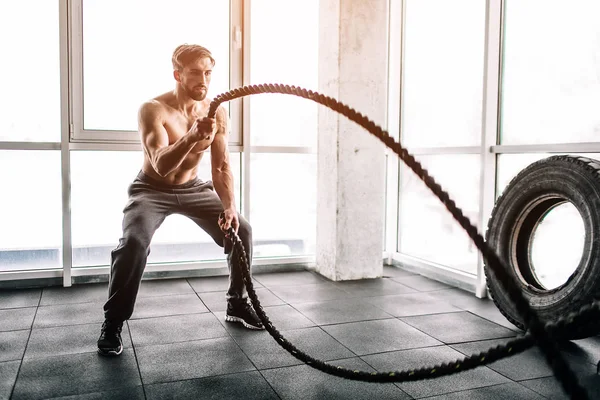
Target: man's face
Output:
{"points": [[195, 78]]}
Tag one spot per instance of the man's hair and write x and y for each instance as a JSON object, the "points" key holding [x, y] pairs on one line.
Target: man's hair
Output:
{"points": [[186, 53]]}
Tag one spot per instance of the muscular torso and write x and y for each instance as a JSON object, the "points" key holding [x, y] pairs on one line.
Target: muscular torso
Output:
{"points": [[177, 125]]}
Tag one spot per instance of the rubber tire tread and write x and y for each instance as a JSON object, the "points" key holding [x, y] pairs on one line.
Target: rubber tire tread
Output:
{"points": [[576, 179]]}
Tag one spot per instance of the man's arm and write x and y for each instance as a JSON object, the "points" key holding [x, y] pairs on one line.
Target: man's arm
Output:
{"points": [[164, 158], [221, 169]]}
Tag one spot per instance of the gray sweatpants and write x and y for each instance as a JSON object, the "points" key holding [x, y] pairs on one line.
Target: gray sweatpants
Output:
{"points": [[150, 202]]}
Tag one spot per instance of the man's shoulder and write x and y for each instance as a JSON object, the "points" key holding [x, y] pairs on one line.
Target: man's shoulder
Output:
{"points": [[153, 107], [221, 113]]}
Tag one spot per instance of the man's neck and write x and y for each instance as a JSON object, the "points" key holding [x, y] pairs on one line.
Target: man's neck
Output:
{"points": [[185, 104]]}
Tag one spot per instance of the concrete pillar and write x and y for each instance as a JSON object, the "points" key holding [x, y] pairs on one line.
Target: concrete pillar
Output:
{"points": [[351, 162]]}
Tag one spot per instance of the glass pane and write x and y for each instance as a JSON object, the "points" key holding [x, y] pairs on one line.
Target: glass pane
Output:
{"points": [[289, 30], [133, 57], [554, 255], [551, 77], [30, 210], [427, 230], [30, 40], [98, 198], [443, 72], [283, 204]]}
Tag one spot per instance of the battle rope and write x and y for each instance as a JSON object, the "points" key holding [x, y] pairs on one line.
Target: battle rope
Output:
{"points": [[538, 333]]}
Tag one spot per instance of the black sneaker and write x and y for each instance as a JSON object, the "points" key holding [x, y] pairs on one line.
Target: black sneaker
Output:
{"points": [[244, 313], [110, 342]]}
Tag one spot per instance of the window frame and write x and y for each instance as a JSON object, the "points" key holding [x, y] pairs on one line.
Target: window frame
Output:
{"points": [[72, 138], [77, 131]]}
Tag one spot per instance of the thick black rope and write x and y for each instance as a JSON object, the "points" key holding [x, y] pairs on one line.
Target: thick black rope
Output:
{"points": [[538, 334], [510, 348]]}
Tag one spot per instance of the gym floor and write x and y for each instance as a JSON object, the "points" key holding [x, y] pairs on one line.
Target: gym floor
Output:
{"points": [[177, 344]]}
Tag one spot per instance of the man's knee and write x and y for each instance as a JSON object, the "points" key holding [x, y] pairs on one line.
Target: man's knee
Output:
{"points": [[135, 244], [245, 229]]}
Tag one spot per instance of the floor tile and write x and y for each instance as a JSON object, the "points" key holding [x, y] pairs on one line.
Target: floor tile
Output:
{"points": [[282, 317], [188, 360], [548, 387], [421, 283], [309, 293], [164, 287], [506, 391], [12, 345], [63, 340], [162, 306], [303, 382], [16, 319], [292, 278], [551, 388], [75, 374], [267, 298], [213, 284], [216, 301], [458, 327], [406, 305], [8, 377], [19, 298], [247, 386], [340, 311], [358, 364], [354, 364], [373, 287], [69, 314], [487, 309], [85, 293], [178, 328], [390, 271], [317, 343], [428, 357], [285, 318], [457, 297], [128, 393], [264, 352], [529, 364], [368, 337], [587, 350]]}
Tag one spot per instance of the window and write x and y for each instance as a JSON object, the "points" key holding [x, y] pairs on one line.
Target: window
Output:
{"points": [[283, 201], [285, 49], [427, 230], [551, 74], [30, 210], [443, 73], [126, 58], [30, 41], [99, 192]]}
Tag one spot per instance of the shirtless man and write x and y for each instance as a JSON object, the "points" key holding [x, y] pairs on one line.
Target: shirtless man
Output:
{"points": [[175, 133]]}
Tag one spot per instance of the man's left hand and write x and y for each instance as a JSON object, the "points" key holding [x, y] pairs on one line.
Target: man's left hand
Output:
{"points": [[229, 218]]}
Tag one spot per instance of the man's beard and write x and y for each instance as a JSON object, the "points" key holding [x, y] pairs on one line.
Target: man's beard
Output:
{"points": [[197, 95]]}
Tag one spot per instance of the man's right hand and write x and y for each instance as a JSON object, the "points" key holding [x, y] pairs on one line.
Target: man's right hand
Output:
{"points": [[203, 129]]}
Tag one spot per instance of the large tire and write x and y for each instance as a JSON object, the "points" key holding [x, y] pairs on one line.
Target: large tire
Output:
{"points": [[525, 201]]}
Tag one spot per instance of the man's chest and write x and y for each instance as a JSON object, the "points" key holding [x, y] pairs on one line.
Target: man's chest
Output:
{"points": [[178, 126]]}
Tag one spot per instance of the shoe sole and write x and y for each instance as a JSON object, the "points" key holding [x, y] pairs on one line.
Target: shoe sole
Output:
{"points": [[110, 353], [229, 318]]}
